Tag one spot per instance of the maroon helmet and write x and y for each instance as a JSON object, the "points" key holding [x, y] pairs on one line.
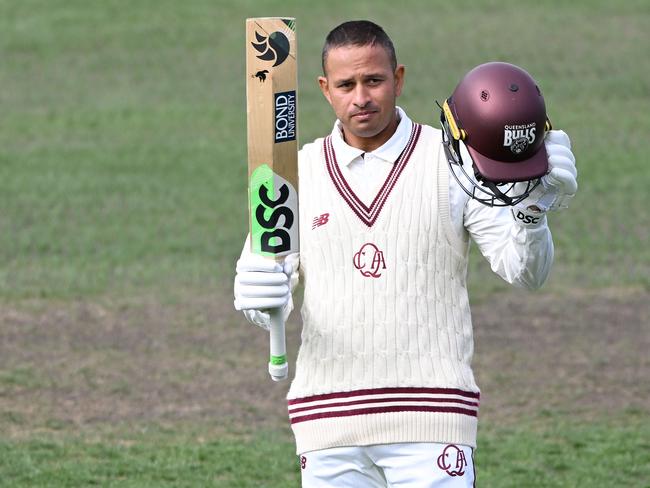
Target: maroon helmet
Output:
{"points": [[499, 113]]}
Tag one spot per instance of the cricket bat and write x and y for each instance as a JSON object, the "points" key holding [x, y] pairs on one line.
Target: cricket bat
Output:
{"points": [[271, 83]]}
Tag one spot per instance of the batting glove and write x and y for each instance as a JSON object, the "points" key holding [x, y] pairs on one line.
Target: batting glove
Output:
{"points": [[262, 284], [557, 187]]}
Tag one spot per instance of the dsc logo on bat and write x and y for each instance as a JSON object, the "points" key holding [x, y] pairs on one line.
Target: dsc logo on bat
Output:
{"points": [[280, 235], [274, 204]]}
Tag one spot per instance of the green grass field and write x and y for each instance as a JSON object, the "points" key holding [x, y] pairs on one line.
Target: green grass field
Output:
{"points": [[123, 209]]}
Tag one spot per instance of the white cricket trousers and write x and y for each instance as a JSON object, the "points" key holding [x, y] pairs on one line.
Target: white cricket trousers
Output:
{"points": [[412, 465]]}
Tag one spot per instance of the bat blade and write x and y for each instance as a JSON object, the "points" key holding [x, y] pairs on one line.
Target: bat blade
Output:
{"points": [[271, 85]]}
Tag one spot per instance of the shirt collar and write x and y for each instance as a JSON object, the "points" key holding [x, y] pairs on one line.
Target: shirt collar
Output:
{"points": [[389, 151]]}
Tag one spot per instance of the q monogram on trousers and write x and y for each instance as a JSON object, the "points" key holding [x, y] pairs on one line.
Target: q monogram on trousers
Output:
{"points": [[452, 460]]}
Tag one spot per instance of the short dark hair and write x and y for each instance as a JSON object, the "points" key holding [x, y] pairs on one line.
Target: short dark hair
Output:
{"points": [[359, 33]]}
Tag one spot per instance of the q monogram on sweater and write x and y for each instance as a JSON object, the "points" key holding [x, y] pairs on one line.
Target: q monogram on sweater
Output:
{"points": [[387, 333]]}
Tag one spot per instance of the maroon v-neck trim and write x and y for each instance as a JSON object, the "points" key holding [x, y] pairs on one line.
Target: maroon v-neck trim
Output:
{"points": [[369, 215]]}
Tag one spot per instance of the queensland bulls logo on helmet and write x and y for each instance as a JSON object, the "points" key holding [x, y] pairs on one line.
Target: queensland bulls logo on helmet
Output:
{"points": [[369, 260]]}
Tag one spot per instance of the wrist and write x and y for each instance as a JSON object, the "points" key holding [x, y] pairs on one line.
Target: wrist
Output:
{"points": [[530, 216]]}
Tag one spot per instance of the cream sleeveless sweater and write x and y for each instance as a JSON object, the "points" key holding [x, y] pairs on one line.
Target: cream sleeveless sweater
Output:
{"points": [[387, 333]]}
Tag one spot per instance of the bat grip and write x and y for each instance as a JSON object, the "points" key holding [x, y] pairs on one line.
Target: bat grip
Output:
{"points": [[278, 366]]}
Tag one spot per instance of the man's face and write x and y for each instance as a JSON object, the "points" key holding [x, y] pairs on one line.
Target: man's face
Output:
{"points": [[361, 87]]}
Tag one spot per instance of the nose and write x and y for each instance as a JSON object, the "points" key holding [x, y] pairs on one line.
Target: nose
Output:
{"points": [[361, 96]]}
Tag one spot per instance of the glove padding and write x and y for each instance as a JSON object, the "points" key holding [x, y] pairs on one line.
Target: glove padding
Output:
{"points": [[262, 284], [557, 187]]}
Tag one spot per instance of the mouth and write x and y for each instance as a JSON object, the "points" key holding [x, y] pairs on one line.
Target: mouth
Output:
{"points": [[363, 114]]}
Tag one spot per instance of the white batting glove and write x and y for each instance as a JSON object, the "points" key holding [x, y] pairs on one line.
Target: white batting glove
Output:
{"points": [[557, 187], [262, 284]]}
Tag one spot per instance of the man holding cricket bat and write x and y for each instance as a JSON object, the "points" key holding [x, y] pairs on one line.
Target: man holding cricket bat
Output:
{"points": [[383, 393]]}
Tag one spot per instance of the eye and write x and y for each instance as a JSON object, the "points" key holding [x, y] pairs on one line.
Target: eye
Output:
{"points": [[374, 81]]}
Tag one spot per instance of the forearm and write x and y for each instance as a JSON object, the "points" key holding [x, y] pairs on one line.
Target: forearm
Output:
{"points": [[525, 256], [521, 255]]}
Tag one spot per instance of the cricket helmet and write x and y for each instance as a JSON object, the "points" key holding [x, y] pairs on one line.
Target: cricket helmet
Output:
{"points": [[497, 117]]}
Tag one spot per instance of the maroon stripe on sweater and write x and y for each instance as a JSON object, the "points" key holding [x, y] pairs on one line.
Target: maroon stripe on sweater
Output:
{"points": [[369, 215], [396, 409], [349, 194], [385, 400], [339, 180], [386, 391], [379, 202]]}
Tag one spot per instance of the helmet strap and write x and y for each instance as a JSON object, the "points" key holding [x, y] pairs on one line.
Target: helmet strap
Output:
{"points": [[495, 189]]}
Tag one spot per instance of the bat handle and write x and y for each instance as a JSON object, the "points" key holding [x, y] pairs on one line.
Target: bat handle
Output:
{"points": [[278, 366]]}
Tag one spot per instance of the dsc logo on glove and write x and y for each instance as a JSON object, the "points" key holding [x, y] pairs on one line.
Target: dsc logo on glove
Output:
{"points": [[526, 219]]}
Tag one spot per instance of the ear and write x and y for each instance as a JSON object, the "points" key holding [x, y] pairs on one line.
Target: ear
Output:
{"points": [[324, 87], [399, 79]]}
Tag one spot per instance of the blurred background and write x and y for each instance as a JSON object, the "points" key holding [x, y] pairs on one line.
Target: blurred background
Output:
{"points": [[123, 211]]}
